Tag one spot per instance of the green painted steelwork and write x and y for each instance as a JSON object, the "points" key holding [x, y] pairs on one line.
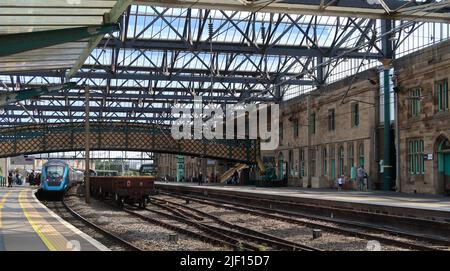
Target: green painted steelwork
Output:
{"points": [[22, 42], [13, 97]]}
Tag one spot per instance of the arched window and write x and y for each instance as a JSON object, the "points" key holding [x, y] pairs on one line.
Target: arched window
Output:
{"points": [[324, 157], [341, 160], [302, 162], [361, 154], [313, 161], [333, 162], [350, 155], [281, 165]]}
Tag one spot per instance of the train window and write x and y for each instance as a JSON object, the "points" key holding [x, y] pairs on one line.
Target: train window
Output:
{"points": [[55, 171]]}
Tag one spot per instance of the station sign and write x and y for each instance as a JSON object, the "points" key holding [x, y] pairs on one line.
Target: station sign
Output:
{"points": [[22, 160], [428, 156]]}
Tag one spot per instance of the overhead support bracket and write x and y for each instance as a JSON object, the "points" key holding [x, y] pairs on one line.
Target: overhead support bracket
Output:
{"points": [[22, 42], [13, 97]]}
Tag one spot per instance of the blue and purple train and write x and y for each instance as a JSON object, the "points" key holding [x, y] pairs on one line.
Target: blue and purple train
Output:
{"points": [[57, 177]]}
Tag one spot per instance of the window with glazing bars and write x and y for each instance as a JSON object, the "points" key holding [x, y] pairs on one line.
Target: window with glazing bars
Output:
{"points": [[350, 156], [296, 128], [312, 123], [355, 115], [341, 160], [331, 120], [361, 154], [441, 95], [313, 162], [414, 102], [291, 163], [324, 157], [302, 162], [416, 161]]}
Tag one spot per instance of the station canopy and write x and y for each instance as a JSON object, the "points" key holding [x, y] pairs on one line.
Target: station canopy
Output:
{"points": [[167, 52]]}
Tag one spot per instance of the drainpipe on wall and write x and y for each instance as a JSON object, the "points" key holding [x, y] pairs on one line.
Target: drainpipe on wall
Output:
{"points": [[309, 139], [397, 141]]}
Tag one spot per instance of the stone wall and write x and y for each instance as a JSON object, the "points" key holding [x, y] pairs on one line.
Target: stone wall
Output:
{"points": [[364, 92], [421, 70]]}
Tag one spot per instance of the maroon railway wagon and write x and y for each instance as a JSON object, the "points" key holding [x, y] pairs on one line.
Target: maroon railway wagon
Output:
{"points": [[123, 189]]}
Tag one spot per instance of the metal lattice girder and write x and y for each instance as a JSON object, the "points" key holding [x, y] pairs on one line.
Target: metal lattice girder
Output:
{"points": [[17, 119], [168, 77], [394, 9], [235, 48], [22, 42], [47, 138], [111, 17], [12, 97]]}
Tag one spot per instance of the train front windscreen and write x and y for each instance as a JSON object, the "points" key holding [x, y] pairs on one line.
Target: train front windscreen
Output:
{"points": [[55, 173]]}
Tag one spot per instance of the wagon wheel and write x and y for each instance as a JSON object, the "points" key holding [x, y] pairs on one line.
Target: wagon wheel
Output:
{"points": [[100, 193], [143, 203], [120, 201]]}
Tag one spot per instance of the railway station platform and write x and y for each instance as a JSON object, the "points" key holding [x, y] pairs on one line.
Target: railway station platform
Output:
{"points": [[27, 225], [420, 206]]}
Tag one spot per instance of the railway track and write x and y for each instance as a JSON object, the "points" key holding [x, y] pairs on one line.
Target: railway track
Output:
{"points": [[108, 238], [191, 212], [243, 240], [350, 228]]}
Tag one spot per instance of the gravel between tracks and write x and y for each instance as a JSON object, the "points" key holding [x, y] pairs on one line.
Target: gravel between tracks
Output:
{"points": [[138, 232], [292, 232]]}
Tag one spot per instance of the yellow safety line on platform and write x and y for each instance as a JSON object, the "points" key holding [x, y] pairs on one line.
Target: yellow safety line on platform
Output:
{"points": [[48, 234], [5, 197]]}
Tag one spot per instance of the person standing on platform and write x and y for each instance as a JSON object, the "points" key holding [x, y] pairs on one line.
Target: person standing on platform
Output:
{"points": [[235, 177], [10, 179], [365, 180], [200, 178], [340, 182], [360, 178]]}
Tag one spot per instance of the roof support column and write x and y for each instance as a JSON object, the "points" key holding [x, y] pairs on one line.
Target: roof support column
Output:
{"points": [[386, 26], [87, 169]]}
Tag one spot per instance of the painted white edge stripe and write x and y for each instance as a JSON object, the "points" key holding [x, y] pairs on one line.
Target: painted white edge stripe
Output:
{"points": [[91, 240]]}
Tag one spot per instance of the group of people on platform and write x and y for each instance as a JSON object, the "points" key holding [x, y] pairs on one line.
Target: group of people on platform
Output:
{"points": [[359, 175], [14, 177], [200, 179], [34, 178]]}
